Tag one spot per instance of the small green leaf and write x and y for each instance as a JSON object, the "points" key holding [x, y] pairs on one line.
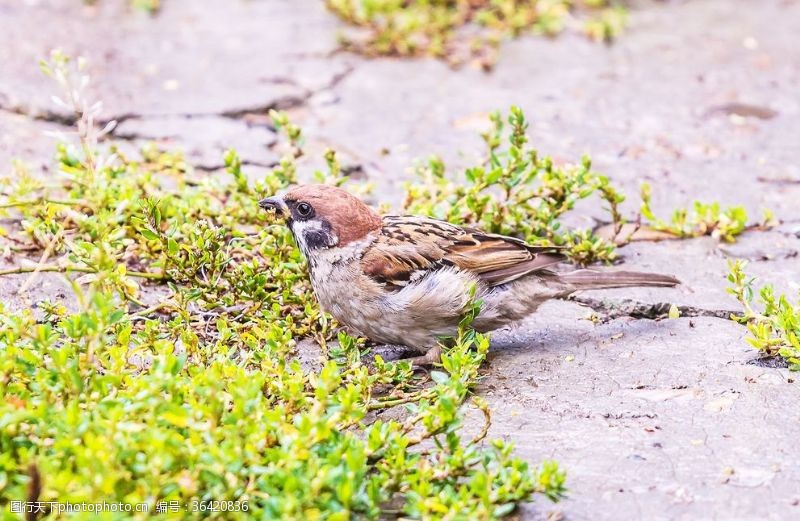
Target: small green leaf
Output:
{"points": [[148, 234]]}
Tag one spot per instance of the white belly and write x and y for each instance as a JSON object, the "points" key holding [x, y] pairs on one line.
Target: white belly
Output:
{"points": [[415, 316]]}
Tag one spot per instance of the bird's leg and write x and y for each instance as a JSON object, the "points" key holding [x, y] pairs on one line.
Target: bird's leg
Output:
{"points": [[433, 356]]}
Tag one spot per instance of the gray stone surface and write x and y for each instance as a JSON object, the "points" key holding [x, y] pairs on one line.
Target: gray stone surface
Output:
{"points": [[204, 139], [652, 419]]}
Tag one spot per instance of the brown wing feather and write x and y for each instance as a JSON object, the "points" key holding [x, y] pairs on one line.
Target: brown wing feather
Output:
{"points": [[540, 262], [409, 247]]}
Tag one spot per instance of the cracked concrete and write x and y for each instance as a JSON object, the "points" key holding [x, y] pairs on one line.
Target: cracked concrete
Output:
{"points": [[610, 309], [653, 419], [154, 72]]}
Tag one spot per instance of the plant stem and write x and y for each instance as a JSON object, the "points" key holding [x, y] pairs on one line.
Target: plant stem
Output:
{"points": [[152, 309], [39, 201], [487, 417], [385, 404], [45, 254], [66, 269]]}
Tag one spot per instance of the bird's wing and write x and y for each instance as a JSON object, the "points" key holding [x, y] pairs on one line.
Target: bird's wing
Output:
{"points": [[410, 247]]}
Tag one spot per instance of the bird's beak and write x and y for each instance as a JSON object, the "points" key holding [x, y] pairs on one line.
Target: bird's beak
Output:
{"points": [[275, 203]]}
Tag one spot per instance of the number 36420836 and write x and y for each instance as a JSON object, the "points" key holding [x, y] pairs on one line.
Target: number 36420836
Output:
{"points": [[218, 506]]}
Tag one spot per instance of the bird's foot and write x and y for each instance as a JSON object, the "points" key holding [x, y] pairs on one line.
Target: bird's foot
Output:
{"points": [[432, 357]]}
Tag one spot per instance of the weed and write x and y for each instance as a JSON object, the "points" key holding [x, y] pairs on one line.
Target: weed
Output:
{"points": [[173, 378], [148, 6], [461, 29], [776, 330], [516, 191], [704, 219]]}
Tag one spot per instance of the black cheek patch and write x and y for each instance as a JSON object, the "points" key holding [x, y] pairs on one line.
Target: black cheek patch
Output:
{"points": [[322, 238]]}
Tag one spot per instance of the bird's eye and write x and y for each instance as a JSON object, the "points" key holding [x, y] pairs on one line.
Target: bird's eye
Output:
{"points": [[304, 209]]}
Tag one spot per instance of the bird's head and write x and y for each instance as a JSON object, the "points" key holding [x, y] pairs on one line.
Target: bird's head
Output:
{"points": [[323, 216]]}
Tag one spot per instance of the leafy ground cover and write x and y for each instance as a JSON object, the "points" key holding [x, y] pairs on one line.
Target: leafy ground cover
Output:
{"points": [[775, 331], [517, 191], [458, 30], [173, 378], [703, 219]]}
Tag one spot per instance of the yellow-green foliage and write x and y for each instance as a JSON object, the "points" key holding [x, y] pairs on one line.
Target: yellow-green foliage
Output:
{"points": [[457, 29], [174, 376], [703, 219], [774, 331], [197, 397], [518, 192]]}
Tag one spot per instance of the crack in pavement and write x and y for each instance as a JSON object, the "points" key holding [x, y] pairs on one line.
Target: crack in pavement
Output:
{"points": [[612, 309], [280, 103], [256, 115], [64, 119], [49, 116], [760, 256], [290, 102], [245, 162]]}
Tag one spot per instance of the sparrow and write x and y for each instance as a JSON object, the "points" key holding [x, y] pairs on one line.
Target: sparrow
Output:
{"points": [[408, 280]]}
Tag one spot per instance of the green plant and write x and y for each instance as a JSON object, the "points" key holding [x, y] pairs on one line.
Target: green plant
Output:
{"points": [[516, 191], [148, 6], [151, 6], [172, 378], [704, 219], [458, 29], [209, 422], [776, 330], [608, 24]]}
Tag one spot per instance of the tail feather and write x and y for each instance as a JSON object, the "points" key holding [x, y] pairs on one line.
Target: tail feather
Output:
{"points": [[595, 279]]}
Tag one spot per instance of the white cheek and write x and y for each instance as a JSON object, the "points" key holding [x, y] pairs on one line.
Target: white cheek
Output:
{"points": [[298, 229]]}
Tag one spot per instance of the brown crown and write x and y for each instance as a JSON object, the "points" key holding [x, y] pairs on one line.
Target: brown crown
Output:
{"points": [[350, 219]]}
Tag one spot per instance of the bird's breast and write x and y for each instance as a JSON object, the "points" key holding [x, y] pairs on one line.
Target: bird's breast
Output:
{"points": [[342, 288], [348, 295]]}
